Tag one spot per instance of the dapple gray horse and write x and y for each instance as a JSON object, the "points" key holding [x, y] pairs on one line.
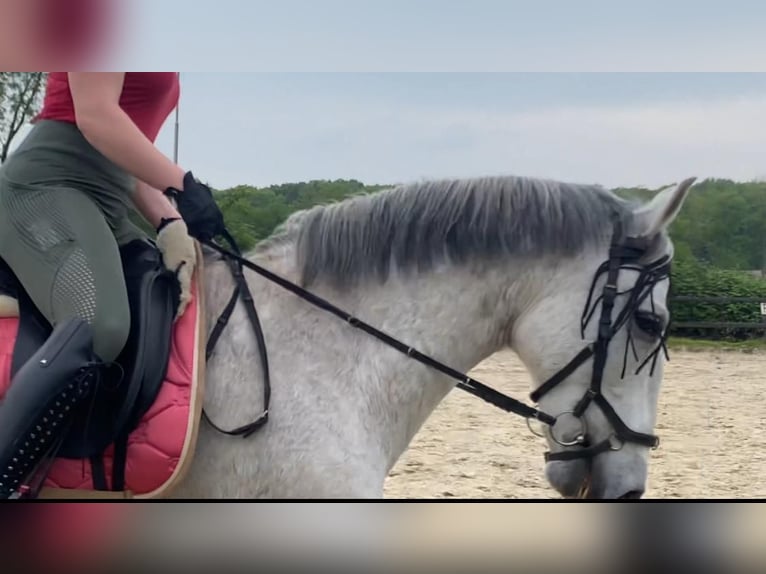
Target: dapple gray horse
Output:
{"points": [[459, 269]]}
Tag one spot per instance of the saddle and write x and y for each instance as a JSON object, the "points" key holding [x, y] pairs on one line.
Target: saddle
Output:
{"points": [[129, 387]]}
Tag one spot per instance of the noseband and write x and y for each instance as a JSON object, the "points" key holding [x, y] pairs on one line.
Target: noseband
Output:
{"points": [[623, 254]]}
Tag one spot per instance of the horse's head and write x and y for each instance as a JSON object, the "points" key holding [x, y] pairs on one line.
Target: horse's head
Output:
{"points": [[593, 338]]}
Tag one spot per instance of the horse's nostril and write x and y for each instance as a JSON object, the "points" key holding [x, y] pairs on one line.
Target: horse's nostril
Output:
{"points": [[632, 495]]}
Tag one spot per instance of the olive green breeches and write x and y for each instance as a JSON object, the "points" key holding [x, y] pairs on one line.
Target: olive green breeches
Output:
{"points": [[65, 254]]}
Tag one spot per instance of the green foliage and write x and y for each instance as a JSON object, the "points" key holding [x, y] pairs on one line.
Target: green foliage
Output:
{"points": [[696, 279], [720, 233], [722, 224], [252, 214]]}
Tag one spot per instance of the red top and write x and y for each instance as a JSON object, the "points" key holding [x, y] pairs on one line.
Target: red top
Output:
{"points": [[147, 98]]}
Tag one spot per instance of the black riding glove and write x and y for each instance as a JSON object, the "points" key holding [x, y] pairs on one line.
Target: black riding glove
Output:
{"points": [[198, 209]]}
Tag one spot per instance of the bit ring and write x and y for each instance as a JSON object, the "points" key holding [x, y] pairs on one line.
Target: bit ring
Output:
{"points": [[579, 438]]}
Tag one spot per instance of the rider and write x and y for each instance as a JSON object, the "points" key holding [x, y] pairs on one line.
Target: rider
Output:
{"points": [[65, 198]]}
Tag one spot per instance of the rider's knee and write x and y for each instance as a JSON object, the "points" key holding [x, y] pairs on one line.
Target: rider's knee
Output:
{"points": [[110, 332]]}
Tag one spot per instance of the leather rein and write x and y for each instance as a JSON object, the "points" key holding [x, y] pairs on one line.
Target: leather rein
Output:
{"points": [[622, 255]]}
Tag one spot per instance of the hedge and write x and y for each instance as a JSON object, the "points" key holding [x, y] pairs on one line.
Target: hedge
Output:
{"points": [[692, 278]]}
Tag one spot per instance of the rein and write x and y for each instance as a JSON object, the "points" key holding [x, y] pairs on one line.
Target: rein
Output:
{"points": [[621, 255], [241, 289], [237, 262]]}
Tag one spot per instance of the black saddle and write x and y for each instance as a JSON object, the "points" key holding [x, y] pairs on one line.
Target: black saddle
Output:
{"points": [[129, 387]]}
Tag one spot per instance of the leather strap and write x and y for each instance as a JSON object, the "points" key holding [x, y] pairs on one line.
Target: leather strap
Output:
{"points": [[242, 290], [464, 382]]}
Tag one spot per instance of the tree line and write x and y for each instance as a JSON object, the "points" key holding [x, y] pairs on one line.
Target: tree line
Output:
{"points": [[720, 251], [719, 239], [722, 225]]}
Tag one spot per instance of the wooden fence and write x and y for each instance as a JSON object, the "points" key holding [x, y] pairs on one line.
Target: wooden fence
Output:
{"points": [[721, 301]]}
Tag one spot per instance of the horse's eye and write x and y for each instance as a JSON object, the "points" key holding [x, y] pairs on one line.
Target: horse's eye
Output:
{"points": [[649, 323]]}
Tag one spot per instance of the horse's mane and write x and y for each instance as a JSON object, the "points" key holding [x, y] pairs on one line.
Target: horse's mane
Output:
{"points": [[418, 225]]}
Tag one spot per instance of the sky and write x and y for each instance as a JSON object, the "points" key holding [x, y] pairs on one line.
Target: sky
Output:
{"points": [[615, 129], [595, 91], [443, 35]]}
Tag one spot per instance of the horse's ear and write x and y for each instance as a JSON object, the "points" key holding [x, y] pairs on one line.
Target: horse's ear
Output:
{"points": [[654, 217]]}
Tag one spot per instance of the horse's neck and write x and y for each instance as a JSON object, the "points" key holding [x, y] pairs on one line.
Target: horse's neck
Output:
{"points": [[451, 316], [324, 368]]}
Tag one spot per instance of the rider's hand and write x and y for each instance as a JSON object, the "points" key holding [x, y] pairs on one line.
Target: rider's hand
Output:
{"points": [[179, 255], [199, 210]]}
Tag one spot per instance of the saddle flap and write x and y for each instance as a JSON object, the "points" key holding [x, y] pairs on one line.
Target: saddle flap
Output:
{"points": [[154, 299]]}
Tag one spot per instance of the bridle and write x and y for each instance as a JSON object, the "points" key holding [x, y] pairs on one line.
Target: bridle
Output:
{"points": [[623, 254]]}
